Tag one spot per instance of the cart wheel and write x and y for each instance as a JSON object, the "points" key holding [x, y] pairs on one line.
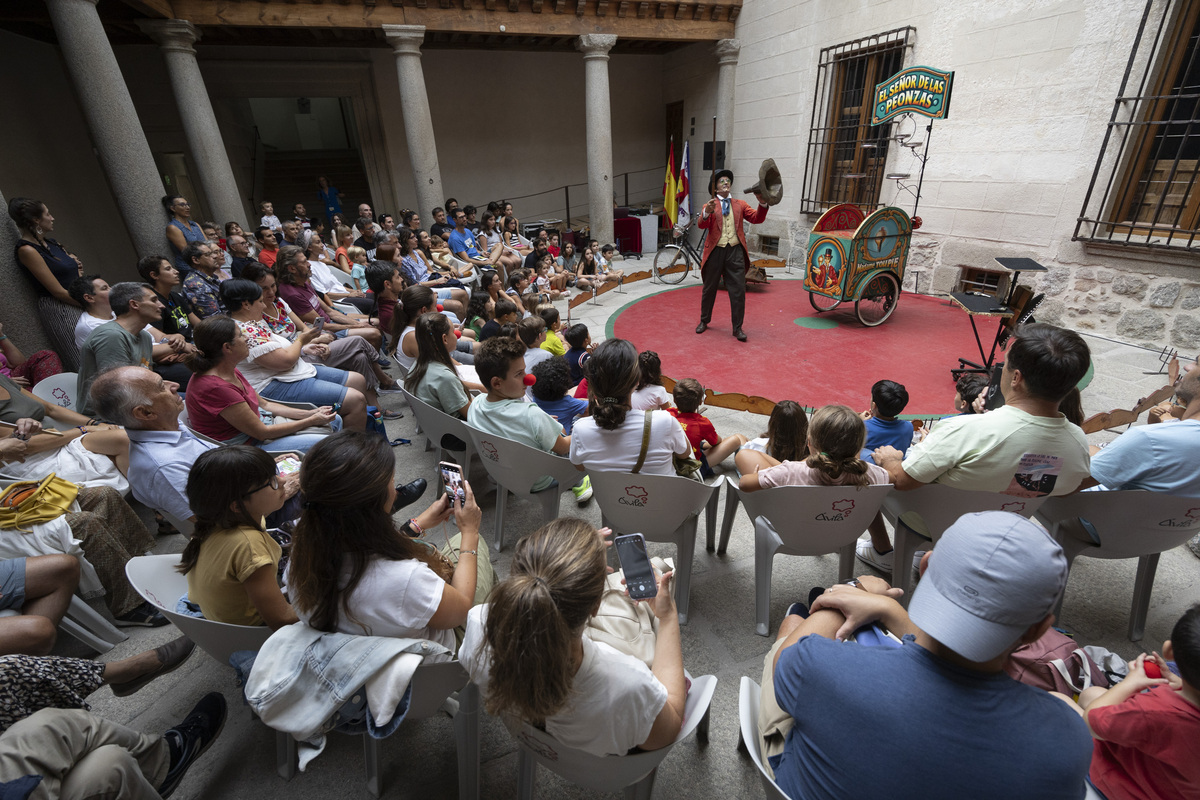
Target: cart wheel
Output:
{"points": [[671, 264], [878, 300], [822, 303]]}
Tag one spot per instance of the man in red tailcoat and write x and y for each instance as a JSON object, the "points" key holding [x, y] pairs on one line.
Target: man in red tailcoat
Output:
{"points": [[725, 251]]}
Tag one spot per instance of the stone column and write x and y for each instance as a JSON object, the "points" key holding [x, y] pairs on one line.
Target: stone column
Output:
{"points": [[113, 122], [727, 58], [176, 37], [418, 123], [598, 112]]}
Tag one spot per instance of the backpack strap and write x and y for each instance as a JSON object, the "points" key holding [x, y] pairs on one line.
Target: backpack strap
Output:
{"points": [[645, 442]]}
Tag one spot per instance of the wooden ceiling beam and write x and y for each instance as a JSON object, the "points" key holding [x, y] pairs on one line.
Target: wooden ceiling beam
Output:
{"points": [[665, 21], [157, 9]]}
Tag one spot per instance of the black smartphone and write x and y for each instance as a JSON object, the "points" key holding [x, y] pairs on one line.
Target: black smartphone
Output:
{"points": [[452, 482], [635, 563]]}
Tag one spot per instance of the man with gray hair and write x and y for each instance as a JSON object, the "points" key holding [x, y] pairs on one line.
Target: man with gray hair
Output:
{"points": [[122, 342], [935, 714]]}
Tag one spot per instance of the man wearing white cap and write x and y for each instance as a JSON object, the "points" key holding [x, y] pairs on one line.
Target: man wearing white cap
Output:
{"points": [[936, 716]]}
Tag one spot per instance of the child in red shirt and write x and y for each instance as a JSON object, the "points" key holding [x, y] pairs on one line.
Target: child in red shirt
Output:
{"points": [[1148, 742], [706, 444]]}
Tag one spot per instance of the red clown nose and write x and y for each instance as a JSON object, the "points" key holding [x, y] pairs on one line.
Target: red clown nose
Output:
{"points": [[530, 380], [439, 307], [458, 334]]}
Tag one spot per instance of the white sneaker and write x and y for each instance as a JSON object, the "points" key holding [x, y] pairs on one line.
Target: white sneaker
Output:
{"points": [[880, 561]]}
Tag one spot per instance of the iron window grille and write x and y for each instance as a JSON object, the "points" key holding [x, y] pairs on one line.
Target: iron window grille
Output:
{"points": [[846, 153], [1144, 190]]}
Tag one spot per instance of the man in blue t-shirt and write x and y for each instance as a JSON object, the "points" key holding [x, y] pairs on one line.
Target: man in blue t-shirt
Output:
{"points": [[462, 244], [936, 716]]}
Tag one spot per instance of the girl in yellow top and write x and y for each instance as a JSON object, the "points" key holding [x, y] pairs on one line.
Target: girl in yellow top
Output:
{"points": [[231, 562]]}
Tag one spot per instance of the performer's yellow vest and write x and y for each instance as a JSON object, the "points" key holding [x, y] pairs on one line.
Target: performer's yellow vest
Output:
{"points": [[728, 234]]}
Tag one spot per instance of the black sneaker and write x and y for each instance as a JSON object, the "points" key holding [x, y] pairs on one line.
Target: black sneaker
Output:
{"points": [[189, 739], [144, 616]]}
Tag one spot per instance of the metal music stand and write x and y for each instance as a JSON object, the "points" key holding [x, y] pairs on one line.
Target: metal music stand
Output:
{"points": [[980, 305]]}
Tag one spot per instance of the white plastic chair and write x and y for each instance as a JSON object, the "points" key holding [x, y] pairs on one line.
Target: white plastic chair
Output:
{"points": [[924, 514], [663, 508], [1126, 524], [749, 697], [155, 579], [515, 467], [461, 265], [433, 690], [344, 308], [731, 506], [435, 424], [634, 773], [59, 390], [85, 624], [806, 521]]}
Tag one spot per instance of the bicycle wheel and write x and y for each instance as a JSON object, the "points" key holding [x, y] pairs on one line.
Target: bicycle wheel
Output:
{"points": [[822, 303], [878, 300], [671, 264]]}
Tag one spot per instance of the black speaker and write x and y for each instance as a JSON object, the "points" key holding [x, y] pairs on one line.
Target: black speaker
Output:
{"points": [[708, 156]]}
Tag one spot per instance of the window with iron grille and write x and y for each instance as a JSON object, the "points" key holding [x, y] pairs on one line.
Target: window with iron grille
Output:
{"points": [[1144, 189], [846, 153]]}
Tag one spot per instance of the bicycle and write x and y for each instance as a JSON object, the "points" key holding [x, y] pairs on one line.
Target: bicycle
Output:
{"points": [[674, 262]]}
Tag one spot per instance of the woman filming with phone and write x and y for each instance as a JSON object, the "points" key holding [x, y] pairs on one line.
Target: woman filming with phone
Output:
{"points": [[353, 572], [529, 652]]}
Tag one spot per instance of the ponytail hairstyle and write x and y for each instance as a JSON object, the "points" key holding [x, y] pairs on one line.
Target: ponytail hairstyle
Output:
{"points": [[219, 482], [651, 366], [345, 480], [612, 377], [210, 338], [412, 301], [838, 435], [431, 327], [536, 615], [787, 432]]}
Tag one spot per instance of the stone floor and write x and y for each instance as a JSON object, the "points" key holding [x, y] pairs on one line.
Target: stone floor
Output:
{"points": [[419, 760]]}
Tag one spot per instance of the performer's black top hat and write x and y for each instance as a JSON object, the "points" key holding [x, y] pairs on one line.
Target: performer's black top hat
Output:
{"points": [[721, 173]]}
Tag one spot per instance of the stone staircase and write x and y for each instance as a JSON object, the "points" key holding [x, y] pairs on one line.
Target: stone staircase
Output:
{"points": [[290, 177]]}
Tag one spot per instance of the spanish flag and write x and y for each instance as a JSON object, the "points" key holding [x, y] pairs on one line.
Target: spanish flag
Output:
{"points": [[670, 189]]}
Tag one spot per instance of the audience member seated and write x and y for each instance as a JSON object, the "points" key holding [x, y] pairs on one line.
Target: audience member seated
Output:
{"points": [[786, 438], [479, 311], [292, 273], [567, 260], [532, 332], [579, 339], [1026, 448], [888, 399], [202, 282], [1146, 727], [349, 353], [352, 571], [491, 242], [181, 230], [509, 227], [268, 219], [1156, 458], [953, 720], [417, 271], [224, 405], [109, 534], [552, 381], [231, 562], [415, 301], [518, 290], [504, 411], [126, 340], [330, 282], [433, 379], [650, 393], [529, 652], [274, 367], [51, 269], [91, 293], [268, 246], [554, 343], [611, 439], [504, 312], [87, 454], [25, 370], [367, 236], [73, 753], [178, 316], [161, 451], [835, 438], [239, 251], [461, 242], [440, 227], [707, 446], [40, 588]]}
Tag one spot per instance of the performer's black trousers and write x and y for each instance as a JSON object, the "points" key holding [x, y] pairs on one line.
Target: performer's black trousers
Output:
{"points": [[729, 261]]}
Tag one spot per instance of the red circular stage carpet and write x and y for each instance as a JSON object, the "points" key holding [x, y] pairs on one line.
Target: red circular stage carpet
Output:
{"points": [[783, 360]]}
